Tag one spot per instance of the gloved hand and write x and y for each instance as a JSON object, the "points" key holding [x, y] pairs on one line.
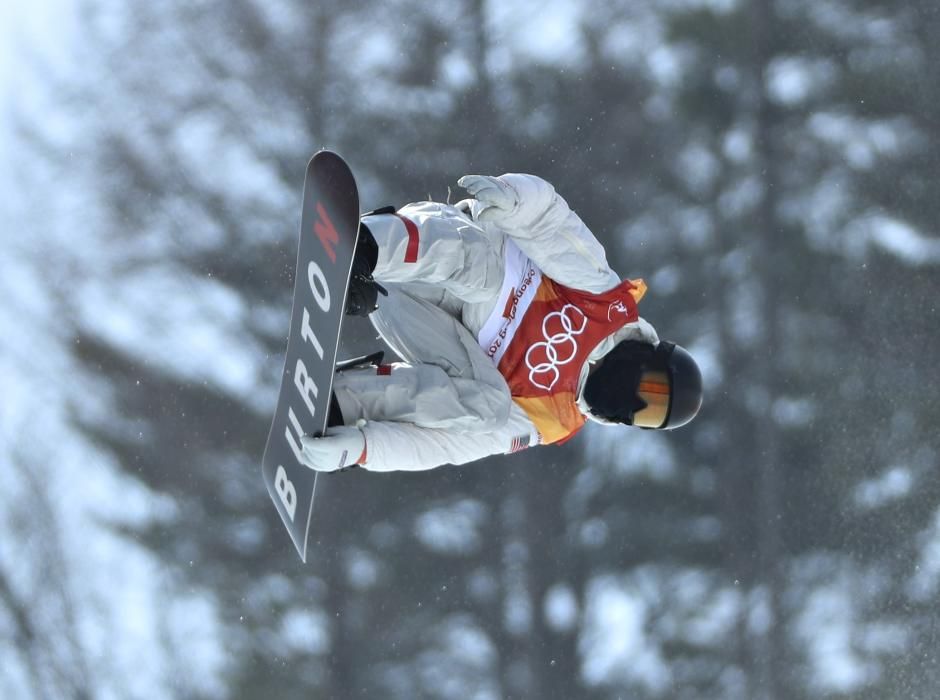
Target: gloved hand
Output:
{"points": [[341, 447], [499, 198]]}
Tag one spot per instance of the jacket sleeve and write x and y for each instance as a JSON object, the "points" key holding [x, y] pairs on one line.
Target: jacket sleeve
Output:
{"points": [[396, 446], [554, 237]]}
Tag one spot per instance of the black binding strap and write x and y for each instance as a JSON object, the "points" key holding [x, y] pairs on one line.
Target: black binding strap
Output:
{"points": [[372, 360], [381, 210]]}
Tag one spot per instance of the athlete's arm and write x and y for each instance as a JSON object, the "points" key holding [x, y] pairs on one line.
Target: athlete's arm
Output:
{"points": [[539, 220], [392, 446]]}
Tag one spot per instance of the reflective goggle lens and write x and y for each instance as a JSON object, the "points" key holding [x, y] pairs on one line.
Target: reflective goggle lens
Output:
{"points": [[654, 390]]}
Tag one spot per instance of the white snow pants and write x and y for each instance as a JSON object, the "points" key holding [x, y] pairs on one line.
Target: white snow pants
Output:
{"points": [[443, 273]]}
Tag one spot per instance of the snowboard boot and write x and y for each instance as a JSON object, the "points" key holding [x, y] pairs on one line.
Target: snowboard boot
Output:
{"points": [[363, 289]]}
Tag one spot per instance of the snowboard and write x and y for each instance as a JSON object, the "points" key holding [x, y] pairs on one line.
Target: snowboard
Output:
{"points": [[329, 228]]}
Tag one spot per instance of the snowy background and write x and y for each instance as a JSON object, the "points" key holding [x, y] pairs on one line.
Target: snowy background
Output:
{"points": [[768, 167]]}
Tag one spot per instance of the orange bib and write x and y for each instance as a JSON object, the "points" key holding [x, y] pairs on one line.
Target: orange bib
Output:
{"points": [[541, 334]]}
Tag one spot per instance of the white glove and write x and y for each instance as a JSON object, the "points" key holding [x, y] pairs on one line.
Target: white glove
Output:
{"points": [[499, 198], [341, 447]]}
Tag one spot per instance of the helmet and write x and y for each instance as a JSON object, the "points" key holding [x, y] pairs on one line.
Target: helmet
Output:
{"points": [[645, 385]]}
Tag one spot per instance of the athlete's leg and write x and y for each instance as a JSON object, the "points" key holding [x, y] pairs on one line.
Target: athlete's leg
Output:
{"points": [[446, 381], [434, 244]]}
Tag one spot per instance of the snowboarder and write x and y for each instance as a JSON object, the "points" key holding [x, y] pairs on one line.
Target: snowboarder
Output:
{"points": [[512, 328]]}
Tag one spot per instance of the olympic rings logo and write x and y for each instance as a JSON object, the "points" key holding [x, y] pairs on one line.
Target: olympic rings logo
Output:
{"points": [[560, 347]]}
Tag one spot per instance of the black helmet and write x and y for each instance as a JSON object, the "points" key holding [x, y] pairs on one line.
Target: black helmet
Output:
{"points": [[649, 386]]}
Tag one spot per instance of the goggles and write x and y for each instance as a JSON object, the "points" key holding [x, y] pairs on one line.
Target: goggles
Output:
{"points": [[653, 390]]}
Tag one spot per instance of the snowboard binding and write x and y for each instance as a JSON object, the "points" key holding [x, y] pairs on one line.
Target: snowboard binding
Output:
{"points": [[363, 295]]}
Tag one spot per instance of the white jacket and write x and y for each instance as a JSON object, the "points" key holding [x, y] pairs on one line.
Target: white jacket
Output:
{"points": [[447, 403]]}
